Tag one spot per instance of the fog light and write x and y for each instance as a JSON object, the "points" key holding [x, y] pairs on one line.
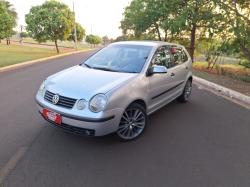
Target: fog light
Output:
{"points": [[81, 104]]}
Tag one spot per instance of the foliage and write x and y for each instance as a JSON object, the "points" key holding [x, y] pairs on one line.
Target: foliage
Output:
{"points": [[245, 63], [173, 18], [24, 34], [93, 39], [191, 20], [52, 20], [80, 33], [236, 15], [8, 17], [105, 40], [122, 38]]}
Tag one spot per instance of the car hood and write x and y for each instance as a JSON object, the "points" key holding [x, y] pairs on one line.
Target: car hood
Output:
{"points": [[81, 82]]}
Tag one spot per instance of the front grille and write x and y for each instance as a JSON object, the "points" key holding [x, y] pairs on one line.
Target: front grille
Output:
{"points": [[65, 102], [77, 130], [72, 129]]}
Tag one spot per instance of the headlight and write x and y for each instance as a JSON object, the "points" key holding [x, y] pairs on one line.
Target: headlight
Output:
{"points": [[42, 89], [98, 103], [81, 104]]}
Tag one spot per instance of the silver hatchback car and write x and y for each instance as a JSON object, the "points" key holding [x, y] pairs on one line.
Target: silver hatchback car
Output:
{"points": [[116, 88]]}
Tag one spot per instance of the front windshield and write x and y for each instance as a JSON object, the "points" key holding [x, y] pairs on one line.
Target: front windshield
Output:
{"points": [[120, 58]]}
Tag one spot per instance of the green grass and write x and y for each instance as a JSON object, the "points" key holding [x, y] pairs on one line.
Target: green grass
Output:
{"points": [[221, 59], [69, 44], [234, 71], [14, 54], [204, 64]]}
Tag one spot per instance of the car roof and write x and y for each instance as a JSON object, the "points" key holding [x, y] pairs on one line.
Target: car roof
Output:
{"points": [[145, 43]]}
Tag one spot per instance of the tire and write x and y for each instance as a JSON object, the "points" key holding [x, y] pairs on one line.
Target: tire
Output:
{"points": [[183, 98], [133, 122]]}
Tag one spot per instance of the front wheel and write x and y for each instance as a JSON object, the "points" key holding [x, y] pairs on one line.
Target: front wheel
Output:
{"points": [[186, 92], [133, 122]]}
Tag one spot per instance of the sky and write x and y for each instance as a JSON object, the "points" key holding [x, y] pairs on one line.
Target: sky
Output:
{"points": [[101, 17]]}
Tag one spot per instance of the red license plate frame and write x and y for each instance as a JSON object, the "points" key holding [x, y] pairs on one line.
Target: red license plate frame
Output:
{"points": [[52, 116]]}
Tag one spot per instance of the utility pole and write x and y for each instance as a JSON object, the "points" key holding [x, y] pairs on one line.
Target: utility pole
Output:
{"points": [[75, 36], [21, 37]]}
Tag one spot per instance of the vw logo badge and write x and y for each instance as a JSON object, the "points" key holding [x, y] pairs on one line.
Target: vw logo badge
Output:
{"points": [[55, 99]]}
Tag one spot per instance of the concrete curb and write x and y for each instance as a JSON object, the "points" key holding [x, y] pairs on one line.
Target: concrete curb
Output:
{"points": [[23, 64], [221, 90]]}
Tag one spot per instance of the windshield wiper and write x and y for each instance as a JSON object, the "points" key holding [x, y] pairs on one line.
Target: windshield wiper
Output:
{"points": [[131, 72], [88, 66], [105, 69]]}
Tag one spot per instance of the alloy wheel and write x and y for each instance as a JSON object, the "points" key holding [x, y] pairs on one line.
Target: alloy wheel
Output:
{"points": [[188, 90], [132, 123]]}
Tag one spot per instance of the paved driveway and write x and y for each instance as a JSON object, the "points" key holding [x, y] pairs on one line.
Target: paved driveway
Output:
{"points": [[202, 143]]}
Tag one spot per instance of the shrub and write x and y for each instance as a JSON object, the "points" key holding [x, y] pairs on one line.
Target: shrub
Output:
{"points": [[245, 63]]}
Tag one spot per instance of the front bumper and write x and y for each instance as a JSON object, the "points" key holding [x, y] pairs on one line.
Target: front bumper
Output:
{"points": [[83, 125]]}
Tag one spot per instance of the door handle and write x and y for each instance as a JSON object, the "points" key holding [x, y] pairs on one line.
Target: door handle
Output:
{"points": [[172, 74], [186, 67]]}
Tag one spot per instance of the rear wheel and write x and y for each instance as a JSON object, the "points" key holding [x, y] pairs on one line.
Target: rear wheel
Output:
{"points": [[186, 92], [133, 122]]}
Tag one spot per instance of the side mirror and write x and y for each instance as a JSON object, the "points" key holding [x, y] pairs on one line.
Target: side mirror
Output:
{"points": [[157, 70]]}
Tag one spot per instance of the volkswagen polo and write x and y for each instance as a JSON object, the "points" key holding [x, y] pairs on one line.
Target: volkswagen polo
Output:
{"points": [[116, 88]]}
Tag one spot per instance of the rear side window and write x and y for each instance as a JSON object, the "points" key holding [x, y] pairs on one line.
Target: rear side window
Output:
{"points": [[185, 57], [179, 56]]}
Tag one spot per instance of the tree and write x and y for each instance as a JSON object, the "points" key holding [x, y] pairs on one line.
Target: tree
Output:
{"points": [[80, 33], [24, 35], [200, 15], [50, 21], [93, 39], [236, 15], [190, 20], [8, 17], [171, 20], [142, 16], [105, 40], [121, 38]]}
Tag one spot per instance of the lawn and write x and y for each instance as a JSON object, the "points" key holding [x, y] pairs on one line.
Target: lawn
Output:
{"points": [[14, 54], [66, 44], [232, 76], [230, 70]]}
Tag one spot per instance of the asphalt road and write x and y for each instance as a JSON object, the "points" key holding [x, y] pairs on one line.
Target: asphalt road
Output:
{"points": [[204, 143]]}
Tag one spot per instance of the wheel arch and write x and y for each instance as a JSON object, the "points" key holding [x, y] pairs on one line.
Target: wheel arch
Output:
{"points": [[140, 102]]}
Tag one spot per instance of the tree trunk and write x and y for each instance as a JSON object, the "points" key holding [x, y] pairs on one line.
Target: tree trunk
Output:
{"points": [[192, 43], [166, 36], [158, 31], [8, 41], [57, 49]]}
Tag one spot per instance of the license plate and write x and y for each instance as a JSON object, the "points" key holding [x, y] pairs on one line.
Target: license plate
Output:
{"points": [[52, 116]]}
